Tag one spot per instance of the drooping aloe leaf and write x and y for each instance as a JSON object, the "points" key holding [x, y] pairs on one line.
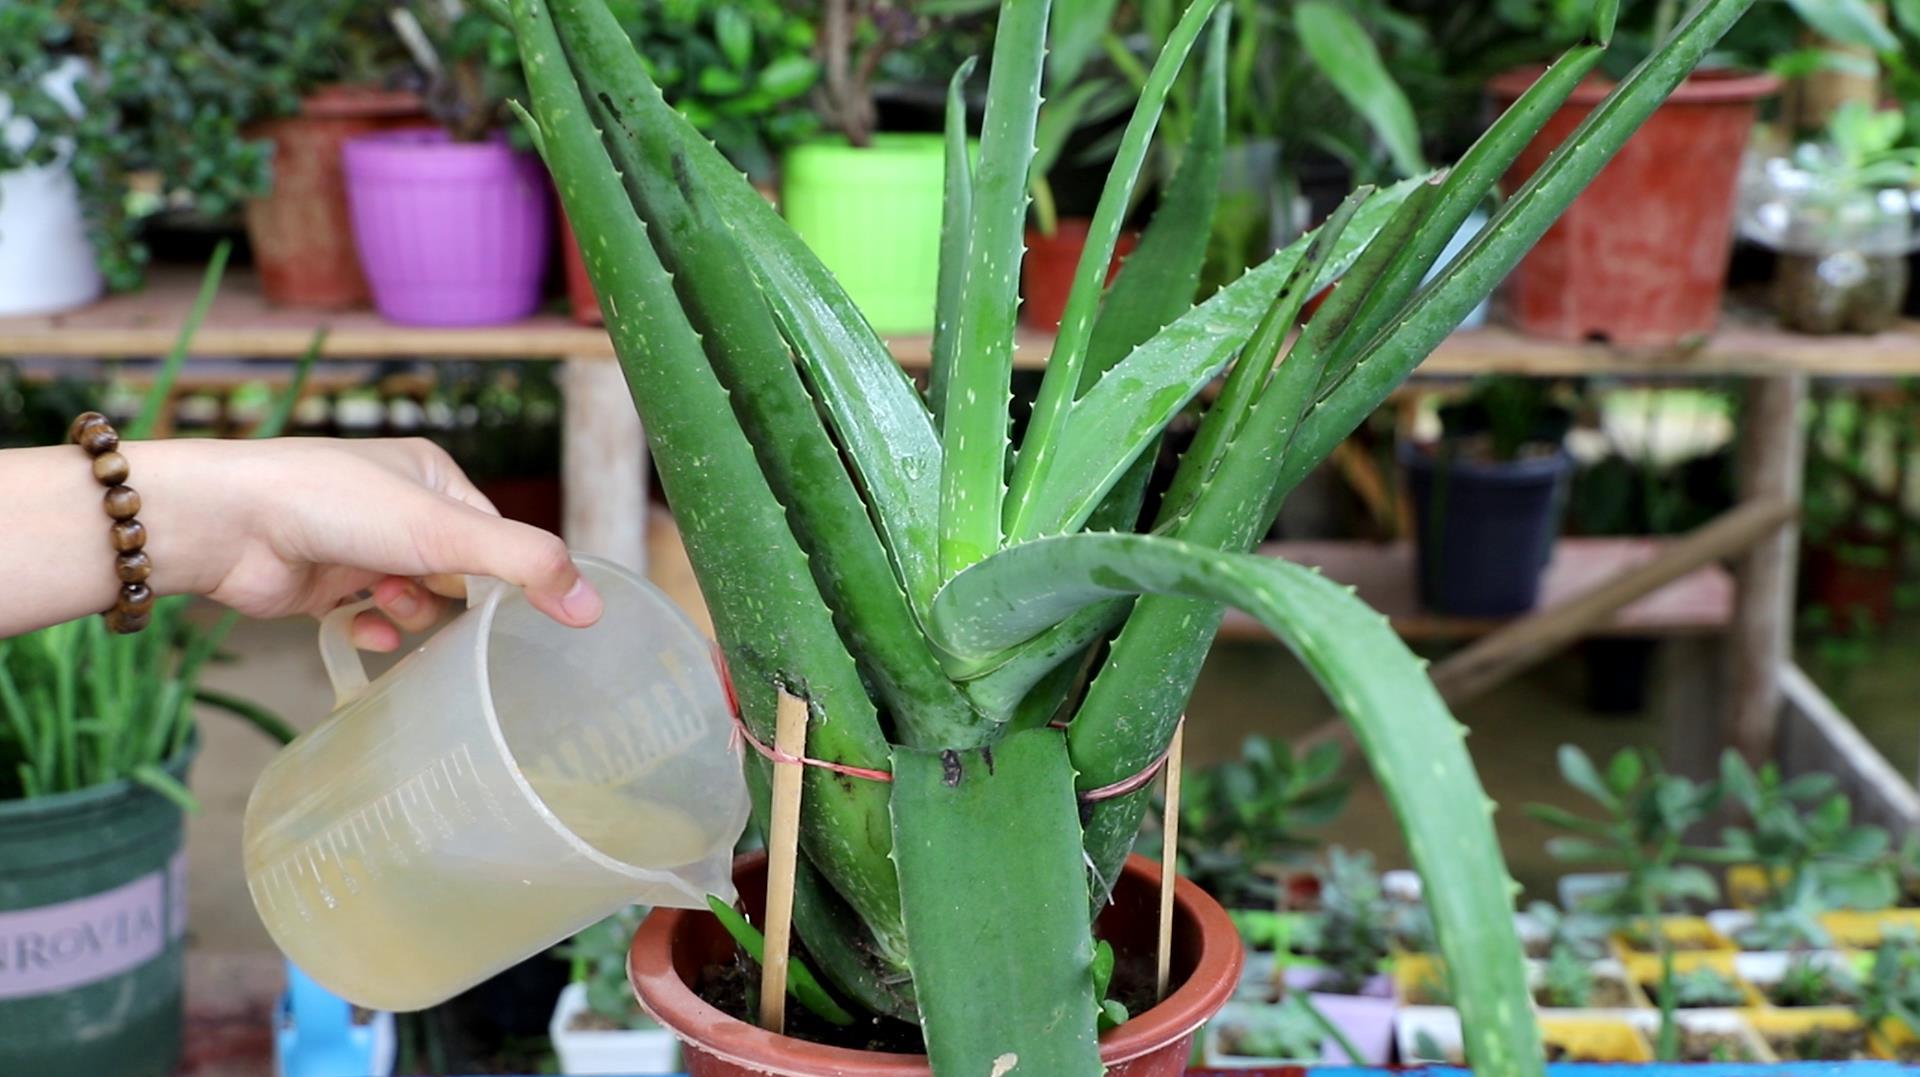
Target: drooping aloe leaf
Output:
{"points": [[769, 616], [974, 424], [1413, 746], [1339, 46], [995, 900], [1127, 408], [956, 218], [876, 414], [740, 311], [1132, 704], [1061, 382], [1847, 22]]}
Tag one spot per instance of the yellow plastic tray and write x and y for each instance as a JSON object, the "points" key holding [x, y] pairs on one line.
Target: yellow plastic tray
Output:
{"points": [[1601, 1039], [1644, 970]]}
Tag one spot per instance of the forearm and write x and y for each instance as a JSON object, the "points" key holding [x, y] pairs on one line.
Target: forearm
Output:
{"points": [[56, 559]]}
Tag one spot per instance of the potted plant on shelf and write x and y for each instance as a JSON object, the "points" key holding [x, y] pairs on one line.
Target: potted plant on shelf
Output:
{"points": [[1243, 818], [597, 1027], [96, 737], [328, 73], [1604, 273], [1839, 210], [1488, 497], [852, 538], [867, 201], [453, 223], [1290, 1033], [93, 93], [740, 72]]}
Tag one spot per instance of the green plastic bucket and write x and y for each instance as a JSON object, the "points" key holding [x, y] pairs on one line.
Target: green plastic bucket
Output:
{"points": [[93, 917], [873, 216]]}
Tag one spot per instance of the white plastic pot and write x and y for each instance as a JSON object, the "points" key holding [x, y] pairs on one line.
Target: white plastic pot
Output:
{"points": [[645, 1052], [46, 261]]}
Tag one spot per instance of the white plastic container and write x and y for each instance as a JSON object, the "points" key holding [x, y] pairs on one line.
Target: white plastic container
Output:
{"points": [[506, 785], [590, 1052], [46, 260]]}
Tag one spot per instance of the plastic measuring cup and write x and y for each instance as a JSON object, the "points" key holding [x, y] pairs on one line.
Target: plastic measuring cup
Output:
{"points": [[507, 784]]}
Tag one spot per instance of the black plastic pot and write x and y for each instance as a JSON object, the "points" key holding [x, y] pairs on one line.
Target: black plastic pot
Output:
{"points": [[1619, 673], [1485, 528]]}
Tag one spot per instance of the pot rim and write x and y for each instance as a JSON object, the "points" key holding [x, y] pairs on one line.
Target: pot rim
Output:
{"points": [[353, 101], [1712, 87], [677, 1007], [1421, 455]]}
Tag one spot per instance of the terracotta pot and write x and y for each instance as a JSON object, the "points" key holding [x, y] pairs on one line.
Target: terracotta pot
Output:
{"points": [[1855, 593], [301, 235], [580, 295], [1046, 275], [1640, 257], [673, 946]]}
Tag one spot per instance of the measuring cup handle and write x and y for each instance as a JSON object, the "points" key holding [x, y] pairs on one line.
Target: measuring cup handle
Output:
{"points": [[341, 657], [479, 587]]}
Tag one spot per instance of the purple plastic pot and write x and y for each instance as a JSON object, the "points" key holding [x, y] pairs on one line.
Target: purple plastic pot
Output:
{"points": [[1365, 1018], [450, 233]]}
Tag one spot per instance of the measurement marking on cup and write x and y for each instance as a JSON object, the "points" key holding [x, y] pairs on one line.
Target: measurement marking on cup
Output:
{"points": [[368, 840]]}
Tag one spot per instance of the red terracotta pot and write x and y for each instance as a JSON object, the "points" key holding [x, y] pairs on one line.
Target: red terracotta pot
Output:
{"points": [[1850, 591], [301, 235], [1046, 275], [1640, 258], [580, 294], [673, 946]]}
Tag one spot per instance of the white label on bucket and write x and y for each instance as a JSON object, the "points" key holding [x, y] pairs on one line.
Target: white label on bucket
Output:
{"points": [[177, 896], [75, 943]]}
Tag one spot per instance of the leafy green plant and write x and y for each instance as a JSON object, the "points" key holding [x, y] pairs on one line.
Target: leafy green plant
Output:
{"points": [[1580, 933], [80, 706], [1505, 415], [1892, 990], [1242, 815], [1646, 815], [1802, 835], [1566, 981], [1809, 981], [598, 957], [1354, 936], [870, 549], [1705, 988], [856, 41], [1289, 1030]]}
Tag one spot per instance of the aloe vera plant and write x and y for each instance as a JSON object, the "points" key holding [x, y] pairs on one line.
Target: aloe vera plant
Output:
{"points": [[996, 625]]}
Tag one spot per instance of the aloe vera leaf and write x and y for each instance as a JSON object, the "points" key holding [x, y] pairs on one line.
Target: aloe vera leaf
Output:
{"points": [[250, 712], [275, 423], [1416, 330], [725, 294], [772, 624], [801, 983], [1112, 424], [873, 407], [956, 218], [1254, 363], [974, 424], [1061, 382], [995, 901], [1132, 704], [1465, 186], [1154, 287], [1337, 44], [1412, 744], [1073, 36]]}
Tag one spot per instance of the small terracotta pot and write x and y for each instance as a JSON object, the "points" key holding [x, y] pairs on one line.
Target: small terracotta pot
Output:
{"points": [[1046, 275], [301, 235], [673, 946], [1640, 257]]}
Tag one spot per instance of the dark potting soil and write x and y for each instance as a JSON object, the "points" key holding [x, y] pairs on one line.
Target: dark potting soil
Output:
{"points": [[1560, 1052], [1828, 993], [1821, 1045], [1701, 1045], [734, 989]]}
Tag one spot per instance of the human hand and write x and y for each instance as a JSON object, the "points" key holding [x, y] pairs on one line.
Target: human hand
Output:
{"points": [[299, 525]]}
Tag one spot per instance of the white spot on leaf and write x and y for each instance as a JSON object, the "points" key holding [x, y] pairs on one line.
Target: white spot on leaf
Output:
{"points": [[1004, 1064]]}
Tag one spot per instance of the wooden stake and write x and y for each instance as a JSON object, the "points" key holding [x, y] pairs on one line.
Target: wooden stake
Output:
{"points": [[1169, 857], [790, 741]]}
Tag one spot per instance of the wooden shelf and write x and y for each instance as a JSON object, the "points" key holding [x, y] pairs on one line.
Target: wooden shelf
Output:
{"points": [[243, 325], [1383, 575]]}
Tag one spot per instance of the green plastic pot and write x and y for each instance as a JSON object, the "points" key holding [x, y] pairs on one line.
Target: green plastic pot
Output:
{"points": [[872, 216], [93, 916]]}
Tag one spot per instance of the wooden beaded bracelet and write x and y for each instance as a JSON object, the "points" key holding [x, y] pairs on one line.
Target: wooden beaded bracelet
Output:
{"points": [[131, 611]]}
